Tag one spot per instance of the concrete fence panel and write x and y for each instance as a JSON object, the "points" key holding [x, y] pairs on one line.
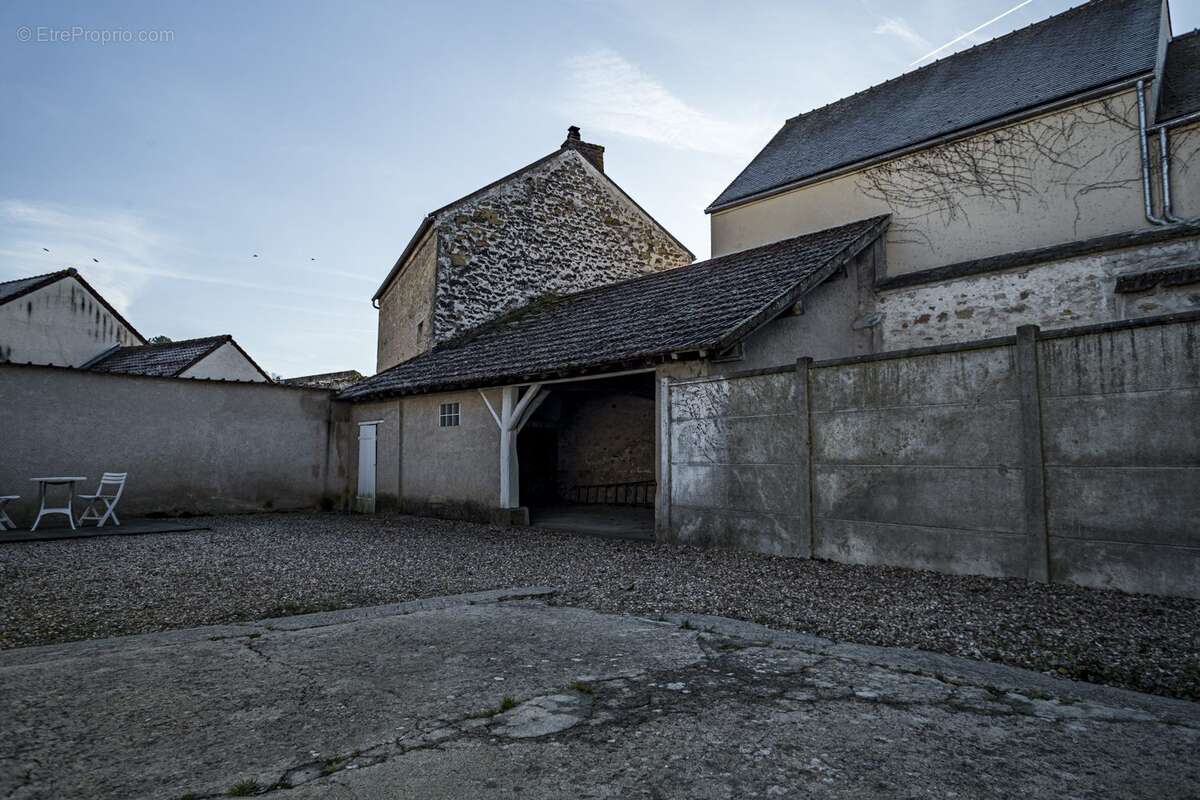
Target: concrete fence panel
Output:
{"points": [[734, 464], [1122, 448], [1072, 456], [917, 461]]}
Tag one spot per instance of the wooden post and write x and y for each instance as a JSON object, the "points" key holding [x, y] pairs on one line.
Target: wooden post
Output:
{"points": [[508, 447], [804, 466], [1032, 462]]}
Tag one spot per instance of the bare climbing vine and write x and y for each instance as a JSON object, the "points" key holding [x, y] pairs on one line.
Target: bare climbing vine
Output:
{"points": [[1075, 151]]}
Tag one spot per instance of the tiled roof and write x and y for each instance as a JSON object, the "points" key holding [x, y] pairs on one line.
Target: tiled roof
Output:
{"points": [[1088, 47], [705, 306], [11, 290], [165, 360], [1181, 78], [327, 380]]}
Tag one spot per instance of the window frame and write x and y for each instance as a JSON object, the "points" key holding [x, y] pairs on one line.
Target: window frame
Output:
{"points": [[450, 415]]}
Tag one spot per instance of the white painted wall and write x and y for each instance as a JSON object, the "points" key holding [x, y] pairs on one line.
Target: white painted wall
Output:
{"points": [[225, 363], [62, 324]]}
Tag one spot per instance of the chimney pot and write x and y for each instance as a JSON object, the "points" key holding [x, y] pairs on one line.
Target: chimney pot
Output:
{"points": [[594, 153]]}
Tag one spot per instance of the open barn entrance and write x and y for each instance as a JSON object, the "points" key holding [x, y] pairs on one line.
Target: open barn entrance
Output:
{"points": [[586, 457]]}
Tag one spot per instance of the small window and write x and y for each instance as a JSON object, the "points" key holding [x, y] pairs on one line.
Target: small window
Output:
{"points": [[448, 416]]}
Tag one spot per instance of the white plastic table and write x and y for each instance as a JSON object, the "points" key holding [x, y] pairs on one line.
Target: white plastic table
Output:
{"points": [[69, 482]]}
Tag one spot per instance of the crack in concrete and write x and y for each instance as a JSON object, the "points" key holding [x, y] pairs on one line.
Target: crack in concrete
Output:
{"points": [[729, 668]]}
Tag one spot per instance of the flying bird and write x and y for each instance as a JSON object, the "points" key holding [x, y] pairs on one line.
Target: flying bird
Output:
{"points": [[47, 249], [96, 260], [256, 255]]}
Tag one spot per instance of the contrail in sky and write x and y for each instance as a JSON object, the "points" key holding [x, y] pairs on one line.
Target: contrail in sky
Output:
{"points": [[958, 39]]}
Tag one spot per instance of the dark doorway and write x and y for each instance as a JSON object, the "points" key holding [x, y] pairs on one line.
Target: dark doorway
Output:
{"points": [[587, 458], [537, 460]]}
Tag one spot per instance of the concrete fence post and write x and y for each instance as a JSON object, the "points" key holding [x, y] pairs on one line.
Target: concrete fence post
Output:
{"points": [[1030, 395], [804, 466]]}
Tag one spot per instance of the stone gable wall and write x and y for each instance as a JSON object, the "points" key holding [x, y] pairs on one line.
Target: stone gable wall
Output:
{"points": [[557, 229], [406, 309]]}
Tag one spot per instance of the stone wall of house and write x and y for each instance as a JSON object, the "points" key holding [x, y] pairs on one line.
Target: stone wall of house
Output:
{"points": [[1070, 456], [1053, 294], [406, 309], [556, 229], [62, 324]]}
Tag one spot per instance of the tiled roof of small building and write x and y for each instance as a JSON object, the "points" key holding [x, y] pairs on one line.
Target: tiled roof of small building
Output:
{"points": [[166, 360], [1085, 48], [327, 380], [705, 306], [1181, 78]]}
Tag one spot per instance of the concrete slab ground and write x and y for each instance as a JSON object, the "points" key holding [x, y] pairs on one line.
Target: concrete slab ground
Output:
{"points": [[497, 695]]}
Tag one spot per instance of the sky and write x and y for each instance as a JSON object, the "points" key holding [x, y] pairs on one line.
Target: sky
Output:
{"points": [[256, 168]]}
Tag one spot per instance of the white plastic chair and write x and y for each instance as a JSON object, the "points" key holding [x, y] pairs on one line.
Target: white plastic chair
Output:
{"points": [[6, 522], [108, 498]]}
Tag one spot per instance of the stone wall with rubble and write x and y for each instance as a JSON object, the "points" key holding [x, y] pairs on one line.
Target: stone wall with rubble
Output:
{"points": [[556, 229], [1054, 294], [1070, 456]]}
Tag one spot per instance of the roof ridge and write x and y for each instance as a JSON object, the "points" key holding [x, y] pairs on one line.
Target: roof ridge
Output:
{"points": [[177, 342], [955, 54], [1188, 35], [56, 273]]}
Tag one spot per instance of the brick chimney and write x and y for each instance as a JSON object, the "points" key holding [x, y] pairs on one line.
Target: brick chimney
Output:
{"points": [[592, 152]]}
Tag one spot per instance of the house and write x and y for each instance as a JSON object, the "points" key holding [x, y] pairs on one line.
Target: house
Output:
{"points": [[555, 226], [899, 237], [326, 380], [1012, 183], [1026, 178], [212, 358], [58, 319]]}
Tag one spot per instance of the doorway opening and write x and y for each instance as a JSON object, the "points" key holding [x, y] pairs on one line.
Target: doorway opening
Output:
{"points": [[586, 457]]}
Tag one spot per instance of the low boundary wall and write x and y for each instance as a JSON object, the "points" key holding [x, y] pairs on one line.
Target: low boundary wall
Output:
{"points": [[1069, 456], [189, 446]]}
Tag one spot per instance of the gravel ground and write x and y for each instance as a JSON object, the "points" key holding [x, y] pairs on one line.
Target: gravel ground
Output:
{"points": [[250, 567]]}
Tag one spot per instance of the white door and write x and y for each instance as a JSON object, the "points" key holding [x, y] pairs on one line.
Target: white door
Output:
{"points": [[364, 500]]}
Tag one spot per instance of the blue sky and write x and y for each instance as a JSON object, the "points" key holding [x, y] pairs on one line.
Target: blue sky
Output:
{"points": [[317, 135]]}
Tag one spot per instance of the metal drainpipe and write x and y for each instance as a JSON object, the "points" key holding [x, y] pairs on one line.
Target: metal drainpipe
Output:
{"points": [[1145, 150], [1164, 157]]}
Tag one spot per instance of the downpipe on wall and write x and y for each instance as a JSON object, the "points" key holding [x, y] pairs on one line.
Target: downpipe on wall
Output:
{"points": [[1143, 137], [1164, 162]]}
